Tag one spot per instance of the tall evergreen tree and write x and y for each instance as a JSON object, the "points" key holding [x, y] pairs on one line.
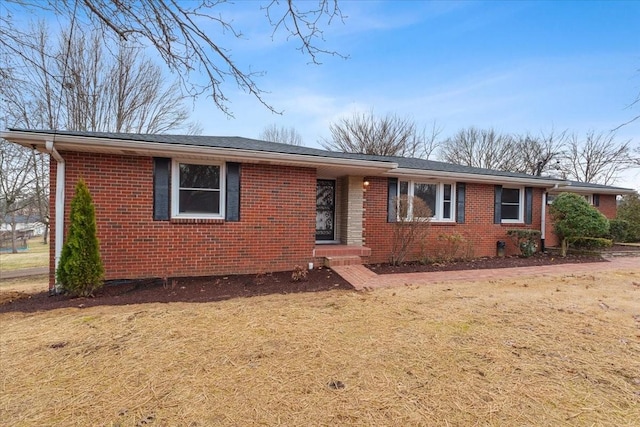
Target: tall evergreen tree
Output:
{"points": [[80, 272]]}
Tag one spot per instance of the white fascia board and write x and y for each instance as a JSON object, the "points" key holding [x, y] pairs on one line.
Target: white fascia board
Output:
{"points": [[145, 148], [475, 178], [618, 191]]}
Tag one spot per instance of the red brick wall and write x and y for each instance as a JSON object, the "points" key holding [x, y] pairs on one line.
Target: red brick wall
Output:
{"points": [[608, 205], [479, 231], [276, 230]]}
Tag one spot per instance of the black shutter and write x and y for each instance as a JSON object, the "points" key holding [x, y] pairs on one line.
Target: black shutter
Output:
{"points": [[460, 196], [391, 199], [233, 192], [528, 205], [596, 200], [497, 204], [161, 188]]}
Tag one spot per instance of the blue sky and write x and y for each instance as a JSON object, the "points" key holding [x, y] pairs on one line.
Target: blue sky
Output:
{"points": [[516, 66]]}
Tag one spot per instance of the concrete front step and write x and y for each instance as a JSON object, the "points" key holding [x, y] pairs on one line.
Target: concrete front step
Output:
{"points": [[323, 251], [337, 261]]}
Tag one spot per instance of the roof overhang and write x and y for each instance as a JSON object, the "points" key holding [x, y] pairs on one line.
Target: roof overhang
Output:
{"points": [[474, 178], [85, 144], [586, 189], [325, 165]]}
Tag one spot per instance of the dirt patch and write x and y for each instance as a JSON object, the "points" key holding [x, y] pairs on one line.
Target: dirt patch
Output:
{"points": [[189, 289]]}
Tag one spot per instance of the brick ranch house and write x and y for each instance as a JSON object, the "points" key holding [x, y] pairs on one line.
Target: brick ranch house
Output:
{"points": [[171, 206]]}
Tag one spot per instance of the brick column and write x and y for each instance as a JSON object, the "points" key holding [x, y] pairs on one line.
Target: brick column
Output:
{"points": [[354, 210]]}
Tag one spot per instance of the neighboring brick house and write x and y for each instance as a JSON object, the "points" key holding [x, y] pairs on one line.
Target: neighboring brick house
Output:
{"points": [[171, 206]]}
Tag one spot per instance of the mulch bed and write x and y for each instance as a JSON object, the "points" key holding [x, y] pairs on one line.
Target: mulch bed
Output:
{"points": [[483, 263], [550, 258], [184, 289], [217, 288]]}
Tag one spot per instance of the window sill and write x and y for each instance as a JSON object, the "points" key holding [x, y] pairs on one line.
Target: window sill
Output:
{"points": [[197, 220]]}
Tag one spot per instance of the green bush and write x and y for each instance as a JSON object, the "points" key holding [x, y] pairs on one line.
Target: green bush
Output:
{"points": [[574, 217], [629, 210], [619, 230], [525, 240], [80, 270], [591, 243]]}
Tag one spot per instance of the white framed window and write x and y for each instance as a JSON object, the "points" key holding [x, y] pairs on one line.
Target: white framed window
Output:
{"points": [[439, 197], [197, 189], [512, 204], [589, 198]]}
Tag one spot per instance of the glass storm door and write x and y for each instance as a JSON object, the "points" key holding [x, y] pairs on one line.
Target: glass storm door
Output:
{"points": [[325, 209]]}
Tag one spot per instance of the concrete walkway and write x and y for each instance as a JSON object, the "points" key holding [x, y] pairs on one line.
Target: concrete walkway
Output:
{"points": [[23, 272], [362, 278]]}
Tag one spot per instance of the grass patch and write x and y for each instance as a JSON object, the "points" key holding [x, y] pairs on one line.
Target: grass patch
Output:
{"points": [[542, 351], [25, 284], [37, 255]]}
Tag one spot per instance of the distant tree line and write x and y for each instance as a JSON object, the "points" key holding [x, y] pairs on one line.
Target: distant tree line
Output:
{"points": [[596, 157]]}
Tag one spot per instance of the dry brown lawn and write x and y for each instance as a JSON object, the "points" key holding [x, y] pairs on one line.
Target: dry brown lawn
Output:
{"points": [[36, 256], [29, 284], [561, 351]]}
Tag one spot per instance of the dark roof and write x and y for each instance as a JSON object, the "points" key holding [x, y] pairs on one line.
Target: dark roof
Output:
{"points": [[241, 143], [594, 186], [235, 142]]}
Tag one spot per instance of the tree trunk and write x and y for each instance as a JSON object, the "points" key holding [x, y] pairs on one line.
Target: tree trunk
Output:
{"points": [[45, 235], [14, 237]]}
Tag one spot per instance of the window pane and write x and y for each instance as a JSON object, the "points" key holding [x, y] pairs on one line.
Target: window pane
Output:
{"points": [[510, 195], [426, 192], [404, 188], [446, 210], [447, 192], [510, 212], [199, 176], [195, 201]]}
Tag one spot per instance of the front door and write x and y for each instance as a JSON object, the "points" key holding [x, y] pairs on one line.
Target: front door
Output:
{"points": [[325, 209]]}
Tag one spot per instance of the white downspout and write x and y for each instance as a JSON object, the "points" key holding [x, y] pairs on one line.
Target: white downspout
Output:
{"points": [[543, 220], [59, 210]]}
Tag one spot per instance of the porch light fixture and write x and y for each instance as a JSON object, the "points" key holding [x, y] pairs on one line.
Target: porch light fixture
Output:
{"points": [[365, 184]]}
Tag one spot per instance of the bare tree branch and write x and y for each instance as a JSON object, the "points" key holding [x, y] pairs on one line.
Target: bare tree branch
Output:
{"points": [[480, 148], [535, 154], [596, 158], [430, 140], [184, 35], [305, 24], [281, 134], [119, 91], [630, 106], [367, 134], [16, 184]]}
